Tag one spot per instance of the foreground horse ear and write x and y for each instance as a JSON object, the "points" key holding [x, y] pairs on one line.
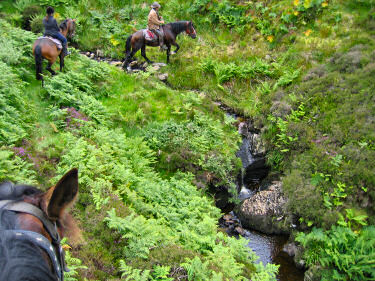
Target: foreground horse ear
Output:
{"points": [[62, 194]]}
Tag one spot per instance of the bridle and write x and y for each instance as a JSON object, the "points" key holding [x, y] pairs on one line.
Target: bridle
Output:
{"points": [[188, 32], [53, 249]]}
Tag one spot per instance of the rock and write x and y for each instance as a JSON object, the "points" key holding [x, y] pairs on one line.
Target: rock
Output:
{"points": [[115, 63], [163, 77], [290, 249], [160, 64], [227, 217], [133, 63], [156, 67], [313, 273], [92, 55], [99, 53], [257, 146], [260, 212], [239, 230], [268, 58], [243, 129], [88, 54]]}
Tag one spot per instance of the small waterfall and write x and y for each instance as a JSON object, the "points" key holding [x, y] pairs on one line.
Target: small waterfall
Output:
{"points": [[252, 155]]}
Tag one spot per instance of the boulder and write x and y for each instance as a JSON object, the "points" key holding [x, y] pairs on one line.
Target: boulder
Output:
{"points": [[163, 77], [265, 211]]}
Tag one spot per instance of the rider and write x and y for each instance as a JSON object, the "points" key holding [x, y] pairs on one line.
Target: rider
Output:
{"points": [[52, 29], [154, 22]]}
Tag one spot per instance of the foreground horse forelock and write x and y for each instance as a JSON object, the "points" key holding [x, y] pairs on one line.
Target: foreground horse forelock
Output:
{"points": [[45, 48], [137, 41], [31, 225]]}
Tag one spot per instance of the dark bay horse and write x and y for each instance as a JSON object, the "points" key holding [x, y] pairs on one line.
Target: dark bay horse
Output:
{"points": [[137, 40], [46, 49], [31, 224]]}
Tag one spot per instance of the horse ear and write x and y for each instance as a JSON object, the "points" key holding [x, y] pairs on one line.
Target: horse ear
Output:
{"points": [[62, 195]]}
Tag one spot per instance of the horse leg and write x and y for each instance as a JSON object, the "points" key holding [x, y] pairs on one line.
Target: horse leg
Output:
{"points": [[177, 47], [62, 64], [50, 69], [128, 58], [168, 52], [143, 52]]}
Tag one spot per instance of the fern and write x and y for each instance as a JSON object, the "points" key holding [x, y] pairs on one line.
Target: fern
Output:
{"points": [[343, 254]]}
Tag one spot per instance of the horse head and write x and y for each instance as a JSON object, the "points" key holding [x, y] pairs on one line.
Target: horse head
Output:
{"points": [[31, 225], [190, 30], [68, 25]]}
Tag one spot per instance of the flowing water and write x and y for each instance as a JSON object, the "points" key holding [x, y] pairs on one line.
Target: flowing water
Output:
{"points": [[267, 247], [269, 250]]}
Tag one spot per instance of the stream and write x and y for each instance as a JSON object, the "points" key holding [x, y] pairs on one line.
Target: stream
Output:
{"points": [[269, 248]]}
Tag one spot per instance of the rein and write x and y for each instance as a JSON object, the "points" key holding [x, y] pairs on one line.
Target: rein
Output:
{"points": [[53, 249]]}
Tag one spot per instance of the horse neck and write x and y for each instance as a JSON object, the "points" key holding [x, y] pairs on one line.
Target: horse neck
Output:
{"points": [[64, 32], [179, 26]]}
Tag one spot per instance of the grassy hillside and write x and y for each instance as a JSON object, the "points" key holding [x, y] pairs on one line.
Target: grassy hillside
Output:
{"points": [[302, 70]]}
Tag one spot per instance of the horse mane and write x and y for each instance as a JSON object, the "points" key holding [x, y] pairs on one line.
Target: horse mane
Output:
{"points": [[64, 24], [19, 259], [178, 26]]}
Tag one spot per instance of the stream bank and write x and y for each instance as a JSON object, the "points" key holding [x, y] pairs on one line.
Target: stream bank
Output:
{"points": [[252, 153], [261, 217]]}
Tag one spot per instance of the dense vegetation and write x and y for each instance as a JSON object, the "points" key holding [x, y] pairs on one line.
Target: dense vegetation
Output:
{"points": [[302, 70]]}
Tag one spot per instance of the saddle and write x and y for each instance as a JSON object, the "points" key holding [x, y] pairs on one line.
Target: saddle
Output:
{"points": [[149, 35], [54, 40]]}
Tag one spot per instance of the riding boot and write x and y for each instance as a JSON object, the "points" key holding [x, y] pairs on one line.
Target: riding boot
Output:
{"points": [[65, 50], [161, 43]]}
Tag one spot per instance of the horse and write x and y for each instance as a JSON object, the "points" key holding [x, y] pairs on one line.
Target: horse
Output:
{"points": [[137, 40], [45, 48], [31, 224]]}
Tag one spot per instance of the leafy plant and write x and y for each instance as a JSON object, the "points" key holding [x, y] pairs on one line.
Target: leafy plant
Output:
{"points": [[342, 253]]}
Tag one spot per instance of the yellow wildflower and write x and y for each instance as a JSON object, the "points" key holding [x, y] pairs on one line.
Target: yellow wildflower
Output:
{"points": [[296, 2], [308, 32], [270, 38], [324, 4], [296, 13], [114, 41], [57, 15]]}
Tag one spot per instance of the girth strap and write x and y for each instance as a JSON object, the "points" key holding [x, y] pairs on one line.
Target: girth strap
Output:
{"points": [[27, 208]]}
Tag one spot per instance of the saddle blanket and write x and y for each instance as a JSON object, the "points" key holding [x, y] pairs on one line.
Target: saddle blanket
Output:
{"points": [[56, 41], [149, 35]]}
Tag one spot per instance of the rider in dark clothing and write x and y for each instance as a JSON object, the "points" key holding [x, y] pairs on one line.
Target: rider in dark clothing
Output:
{"points": [[52, 29]]}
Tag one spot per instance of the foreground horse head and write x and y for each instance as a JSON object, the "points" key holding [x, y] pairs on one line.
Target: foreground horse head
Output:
{"points": [[137, 40], [31, 225], [46, 49]]}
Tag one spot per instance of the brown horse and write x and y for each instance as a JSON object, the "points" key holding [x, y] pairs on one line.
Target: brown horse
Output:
{"points": [[137, 40], [31, 224], [46, 49]]}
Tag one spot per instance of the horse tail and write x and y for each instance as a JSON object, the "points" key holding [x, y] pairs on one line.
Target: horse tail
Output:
{"points": [[38, 62], [128, 44]]}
